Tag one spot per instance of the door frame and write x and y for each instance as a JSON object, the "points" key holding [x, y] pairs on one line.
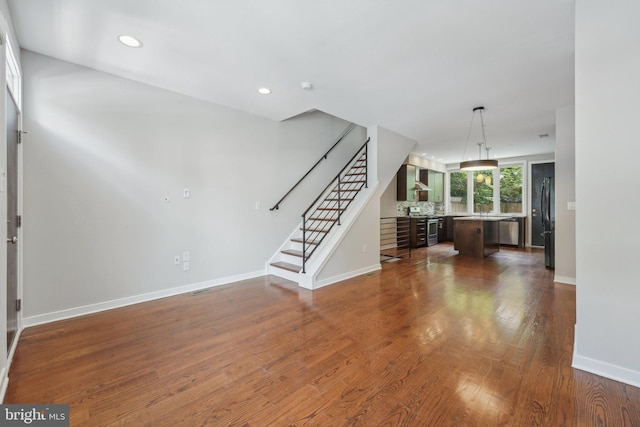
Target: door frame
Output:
{"points": [[529, 193], [6, 53]]}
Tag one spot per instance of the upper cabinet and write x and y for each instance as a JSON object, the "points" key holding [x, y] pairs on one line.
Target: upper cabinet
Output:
{"points": [[406, 184], [436, 182]]}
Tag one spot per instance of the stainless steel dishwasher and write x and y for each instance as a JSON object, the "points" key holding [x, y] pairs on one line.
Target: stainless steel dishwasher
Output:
{"points": [[510, 231]]}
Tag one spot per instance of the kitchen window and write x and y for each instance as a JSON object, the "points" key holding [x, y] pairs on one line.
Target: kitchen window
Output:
{"points": [[458, 192], [483, 191], [489, 191], [511, 189]]}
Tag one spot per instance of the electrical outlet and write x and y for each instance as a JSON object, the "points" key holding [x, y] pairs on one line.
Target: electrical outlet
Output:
{"points": [[256, 206], [364, 248], [176, 260], [187, 193], [185, 266], [186, 256]]}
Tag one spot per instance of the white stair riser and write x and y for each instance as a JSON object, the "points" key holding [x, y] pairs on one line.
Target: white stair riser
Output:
{"points": [[285, 274], [295, 260]]}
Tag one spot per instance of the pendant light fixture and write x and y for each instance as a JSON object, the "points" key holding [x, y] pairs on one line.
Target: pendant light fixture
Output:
{"points": [[480, 164]]}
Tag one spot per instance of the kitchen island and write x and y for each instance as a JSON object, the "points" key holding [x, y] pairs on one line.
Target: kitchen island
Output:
{"points": [[477, 236]]}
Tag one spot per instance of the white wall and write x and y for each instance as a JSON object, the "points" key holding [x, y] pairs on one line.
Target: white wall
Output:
{"points": [[388, 200], [565, 236], [607, 236], [103, 153]]}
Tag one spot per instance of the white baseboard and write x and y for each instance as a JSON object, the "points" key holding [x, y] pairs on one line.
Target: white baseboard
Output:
{"points": [[108, 305], [604, 369], [565, 279], [345, 276]]}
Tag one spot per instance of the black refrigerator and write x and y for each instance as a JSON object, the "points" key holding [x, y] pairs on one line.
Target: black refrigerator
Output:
{"points": [[548, 208]]}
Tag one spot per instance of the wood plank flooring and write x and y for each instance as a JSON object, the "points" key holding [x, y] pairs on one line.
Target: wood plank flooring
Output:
{"points": [[435, 340]]}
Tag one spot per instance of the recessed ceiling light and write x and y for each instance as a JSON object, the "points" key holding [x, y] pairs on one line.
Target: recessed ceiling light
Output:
{"points": [[264, 91], [424, 154], [129, 41]]}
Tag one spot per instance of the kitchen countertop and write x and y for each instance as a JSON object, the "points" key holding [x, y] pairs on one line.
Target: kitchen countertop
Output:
{"points": [[480, 218]]}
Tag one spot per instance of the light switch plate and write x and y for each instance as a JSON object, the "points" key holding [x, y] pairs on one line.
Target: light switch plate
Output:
{"points": [[571, 206]]}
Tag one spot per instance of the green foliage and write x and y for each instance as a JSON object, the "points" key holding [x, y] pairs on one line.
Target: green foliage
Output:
{"points": [[511, 184], [458, 182], [482, 192]]}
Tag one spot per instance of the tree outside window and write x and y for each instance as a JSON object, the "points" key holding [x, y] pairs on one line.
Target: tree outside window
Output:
{"points": [[511, 189], [458, 192], [483, 191]]}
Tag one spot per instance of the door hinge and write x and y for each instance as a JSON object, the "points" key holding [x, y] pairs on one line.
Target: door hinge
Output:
{"points": [[18, 304], [19, 221], [20, 135]]}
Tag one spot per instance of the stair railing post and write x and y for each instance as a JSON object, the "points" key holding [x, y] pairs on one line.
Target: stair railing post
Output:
{"points": [[304, 244], [338, 199]]}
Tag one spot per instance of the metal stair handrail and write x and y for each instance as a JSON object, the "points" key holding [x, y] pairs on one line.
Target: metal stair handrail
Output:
{"points": [[346, 132]]}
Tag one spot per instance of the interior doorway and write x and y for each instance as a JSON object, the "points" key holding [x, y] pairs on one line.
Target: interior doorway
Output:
{"points": [[12, 217]]}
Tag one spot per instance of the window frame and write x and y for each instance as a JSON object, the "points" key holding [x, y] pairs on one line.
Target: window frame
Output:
{"points": [[496, 191]]}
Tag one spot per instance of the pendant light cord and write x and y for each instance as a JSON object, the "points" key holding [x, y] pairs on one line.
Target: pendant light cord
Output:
{"points": [[466, 144], [484, 136]]}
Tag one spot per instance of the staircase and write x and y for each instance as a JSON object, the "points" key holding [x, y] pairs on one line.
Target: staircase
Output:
{"points": [[320, 218]]}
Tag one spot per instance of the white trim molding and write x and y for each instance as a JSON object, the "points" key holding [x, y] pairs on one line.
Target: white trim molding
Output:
{"points": [[607, 370], [565, 279], [340, 277], [603, 369], [122, 302]]}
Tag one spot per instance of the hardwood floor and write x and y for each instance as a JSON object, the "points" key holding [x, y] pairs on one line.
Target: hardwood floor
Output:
{"points": [[435, 340]]}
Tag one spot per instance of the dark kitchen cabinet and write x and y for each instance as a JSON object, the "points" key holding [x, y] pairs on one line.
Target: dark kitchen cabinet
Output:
{"points": [[401, 184], [450, 225], [418, 235], [442, 229]]}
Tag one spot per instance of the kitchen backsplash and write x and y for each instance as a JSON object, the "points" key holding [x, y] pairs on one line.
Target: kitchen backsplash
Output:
{"points": [[426, 208]]}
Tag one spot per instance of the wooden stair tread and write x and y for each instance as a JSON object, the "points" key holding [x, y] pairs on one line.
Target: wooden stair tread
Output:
{"points": [[292, 252], [323, 219], [309, 242], [333, 199], [287, 266], [331, 209], [316, 230]]}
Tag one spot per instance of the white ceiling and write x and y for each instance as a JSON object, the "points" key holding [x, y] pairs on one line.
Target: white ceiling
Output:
{"points": [[416, 67]]}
